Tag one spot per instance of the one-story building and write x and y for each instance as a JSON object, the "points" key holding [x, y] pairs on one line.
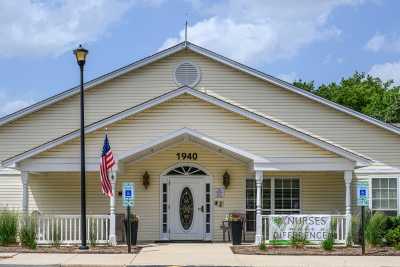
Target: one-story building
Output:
{"points": [[201, 136]]}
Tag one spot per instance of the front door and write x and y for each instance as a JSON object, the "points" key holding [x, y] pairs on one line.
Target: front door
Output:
{"points": [[187, 207]]}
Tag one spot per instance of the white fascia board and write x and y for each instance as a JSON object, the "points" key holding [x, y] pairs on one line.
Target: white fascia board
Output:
{"points": [[309, 164], [378, 169], [64, 164], [362, 161], [290, 87], [75, 90], [9, 171]]}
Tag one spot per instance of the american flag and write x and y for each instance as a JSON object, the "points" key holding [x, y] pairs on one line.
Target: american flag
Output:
{"points": [[106, 163]]}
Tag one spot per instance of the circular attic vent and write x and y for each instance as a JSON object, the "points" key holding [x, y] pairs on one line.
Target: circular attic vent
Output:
{"points": [[187, 73]]}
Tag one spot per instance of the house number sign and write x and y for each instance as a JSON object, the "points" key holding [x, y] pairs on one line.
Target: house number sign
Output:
{"points": [[186, 156]]}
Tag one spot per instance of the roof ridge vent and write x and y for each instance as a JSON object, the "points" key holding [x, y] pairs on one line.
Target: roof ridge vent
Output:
{"points": [[187, 73]]}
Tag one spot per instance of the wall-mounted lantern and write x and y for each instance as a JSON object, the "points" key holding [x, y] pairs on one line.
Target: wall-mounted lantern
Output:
{"points": [[226, 179], [146, 179]]}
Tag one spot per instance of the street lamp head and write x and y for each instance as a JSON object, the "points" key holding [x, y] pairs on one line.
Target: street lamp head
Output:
{"points": [[80, 54]]}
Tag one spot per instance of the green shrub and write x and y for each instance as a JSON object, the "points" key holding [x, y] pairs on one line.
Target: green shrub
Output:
{"points": [[56, 235], [28, 232], [397, 246], [327, 244], [8, 227], [375, 229], [92, 234], [393, 236], [299, 237], [262, 246]]}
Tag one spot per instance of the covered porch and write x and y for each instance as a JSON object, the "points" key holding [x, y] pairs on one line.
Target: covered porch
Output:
{"points": [[260, 188]]}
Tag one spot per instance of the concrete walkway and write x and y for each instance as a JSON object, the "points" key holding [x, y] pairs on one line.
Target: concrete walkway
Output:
{"points": [[213, 254]]}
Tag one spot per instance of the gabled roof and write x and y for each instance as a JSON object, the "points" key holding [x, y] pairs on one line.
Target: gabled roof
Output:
{"points": [[209, 54], [300, 134], [194, 135]]}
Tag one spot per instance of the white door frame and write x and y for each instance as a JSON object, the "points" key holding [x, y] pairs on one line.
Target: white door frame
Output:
{"points": [[165, 179]]}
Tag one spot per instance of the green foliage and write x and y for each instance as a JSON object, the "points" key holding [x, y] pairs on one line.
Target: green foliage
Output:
{"points": [[28, 232], [375, 229], [397, 246], [278, 242], [92, 233], [299, 237], [56, 235], [262, 246], [8, 227], [327, 244], [363, 93], [393, 236]]}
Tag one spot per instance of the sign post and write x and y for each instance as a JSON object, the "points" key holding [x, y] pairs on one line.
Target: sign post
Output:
{"points": [[362, 200], [128, 194]]}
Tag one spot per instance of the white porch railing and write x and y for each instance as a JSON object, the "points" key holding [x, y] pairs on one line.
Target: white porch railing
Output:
{"points": [[66, 228], [338, 222]]}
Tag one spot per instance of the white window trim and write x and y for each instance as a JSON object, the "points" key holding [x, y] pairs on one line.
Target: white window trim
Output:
{"points": [[370, 190], [272, 209]]}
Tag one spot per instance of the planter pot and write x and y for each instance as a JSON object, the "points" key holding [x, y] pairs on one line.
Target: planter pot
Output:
{"points": [[236, 227], [134, 229]]}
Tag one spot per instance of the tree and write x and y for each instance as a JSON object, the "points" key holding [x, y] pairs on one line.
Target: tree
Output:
{"points": [[363, 93]]}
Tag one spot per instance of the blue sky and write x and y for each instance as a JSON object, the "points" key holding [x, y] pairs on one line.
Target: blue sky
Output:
{"points": [[321, 40]]}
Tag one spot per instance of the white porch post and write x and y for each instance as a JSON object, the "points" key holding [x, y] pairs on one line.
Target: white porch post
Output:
{"points": [[113, 236], [259, 180], [25, 192], [348, 175]]}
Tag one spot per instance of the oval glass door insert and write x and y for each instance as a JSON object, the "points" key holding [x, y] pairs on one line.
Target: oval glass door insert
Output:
{"points": [[186, 208]]}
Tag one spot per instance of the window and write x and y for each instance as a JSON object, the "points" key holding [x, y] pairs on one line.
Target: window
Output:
{"points": [[384, 195], [287, 196], [286, 192], [251, 201]]}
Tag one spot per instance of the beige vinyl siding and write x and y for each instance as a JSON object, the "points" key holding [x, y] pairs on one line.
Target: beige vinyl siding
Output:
{"points": [[150, 81], [10, 189], [58, 193], [321, 192], [188, 111], [148, 201]]}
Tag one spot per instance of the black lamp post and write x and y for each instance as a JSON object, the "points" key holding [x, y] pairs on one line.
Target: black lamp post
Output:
{"points": [[80, 55]]}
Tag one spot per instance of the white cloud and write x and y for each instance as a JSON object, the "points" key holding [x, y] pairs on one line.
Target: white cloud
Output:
{"points": [[42, 27], [380, 42], [262, 31], [8, 105], [387, 71], [288, 77]]}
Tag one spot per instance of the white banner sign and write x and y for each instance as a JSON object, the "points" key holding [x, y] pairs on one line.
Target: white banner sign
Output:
{"points": [[314, 227]]}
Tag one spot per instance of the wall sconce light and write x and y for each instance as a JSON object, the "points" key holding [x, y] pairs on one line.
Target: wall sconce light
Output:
{"points": [[146, 179], [226, 179]]}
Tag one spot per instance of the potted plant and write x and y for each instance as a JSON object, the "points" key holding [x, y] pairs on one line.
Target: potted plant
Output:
{"points": [[236, 228], [134, 226]]}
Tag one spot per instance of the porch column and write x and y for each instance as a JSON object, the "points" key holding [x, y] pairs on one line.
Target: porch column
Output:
{"points": [[259, 180], [25, 192], [348, 175], [113, 236]]}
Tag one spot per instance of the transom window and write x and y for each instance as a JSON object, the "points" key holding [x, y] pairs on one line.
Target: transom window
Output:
{"points": [[186, 170], [384, 195], [284, 191]]}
